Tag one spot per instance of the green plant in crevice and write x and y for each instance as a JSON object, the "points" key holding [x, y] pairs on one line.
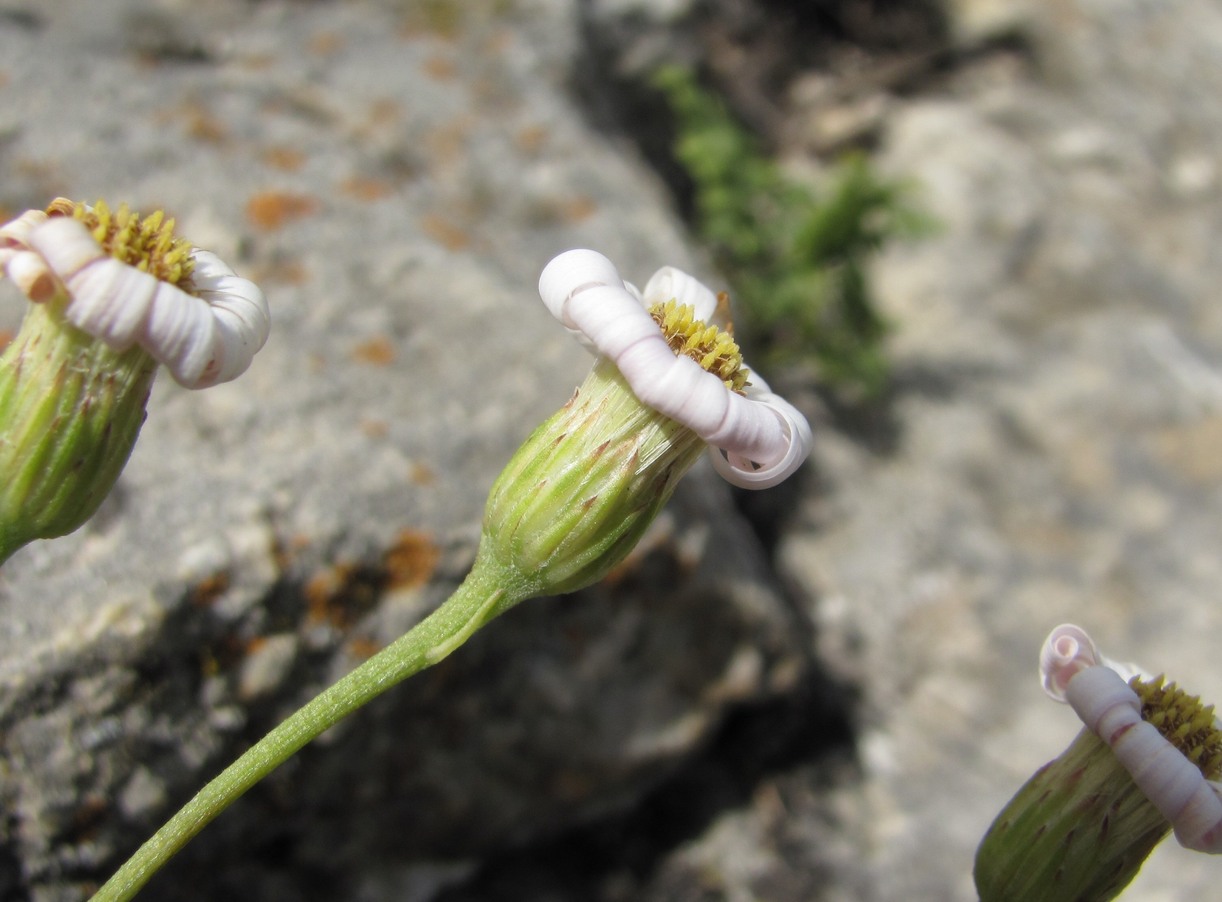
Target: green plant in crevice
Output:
{"points": [[798, 259]]}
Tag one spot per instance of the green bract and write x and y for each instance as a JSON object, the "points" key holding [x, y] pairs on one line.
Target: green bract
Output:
{"points": [[579, 493], [70, 412], [1081, 827], [1078, 831]]}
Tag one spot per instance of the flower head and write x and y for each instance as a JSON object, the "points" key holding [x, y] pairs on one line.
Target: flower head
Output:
{"points": [[127, 280], [759, 439], [1147, 762], [114, 295], [582, 489]]}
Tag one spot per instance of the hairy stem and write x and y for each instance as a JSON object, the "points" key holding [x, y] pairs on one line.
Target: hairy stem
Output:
{"points": [[485, 593]]}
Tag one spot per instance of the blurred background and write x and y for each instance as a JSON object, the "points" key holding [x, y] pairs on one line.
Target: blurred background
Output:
{"points": [[973, 240]]}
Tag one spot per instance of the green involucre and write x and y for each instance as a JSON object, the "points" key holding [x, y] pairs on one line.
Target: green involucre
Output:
{"points": [[70, 412], [580, 492]]}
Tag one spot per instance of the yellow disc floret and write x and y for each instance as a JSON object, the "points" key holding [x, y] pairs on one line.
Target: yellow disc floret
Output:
{"points": [[148, 243], [1184, 722], [715, 350]]}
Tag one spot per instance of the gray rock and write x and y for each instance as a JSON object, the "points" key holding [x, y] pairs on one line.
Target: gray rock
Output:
{"points": [[395, 177], [1049, 453]]}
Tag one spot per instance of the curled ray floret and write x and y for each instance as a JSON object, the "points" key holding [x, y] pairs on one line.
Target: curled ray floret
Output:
{"points": [[1167, 741], [128, 281], [758, 438], [1068, 650]]}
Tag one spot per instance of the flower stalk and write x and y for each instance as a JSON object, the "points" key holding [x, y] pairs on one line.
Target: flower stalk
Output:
{"points": [[486, 592]]}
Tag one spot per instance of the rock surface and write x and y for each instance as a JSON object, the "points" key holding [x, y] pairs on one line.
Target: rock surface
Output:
{"points": [[395, 174], [395, 177], [1056, 430]]}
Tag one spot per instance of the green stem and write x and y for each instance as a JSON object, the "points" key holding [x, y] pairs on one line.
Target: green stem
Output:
{"points": [[487, 591]]}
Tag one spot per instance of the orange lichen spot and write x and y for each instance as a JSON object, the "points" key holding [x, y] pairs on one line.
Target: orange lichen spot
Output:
{"points": [[421, 475], [448, 143], [286, 550], [445, 233], [318, 591], [286, 159], [270, 210], [325, 43], [412, 559], [577, 208], [496, 93], [377, 351], [374, 428], [254, 644], [364, 188], [286, 271], [196, 119], [384, 111], [203, 126], [498, 42], [257, 62], [1189, 449], [439, 68], [363, 647], [340, 595], [6, 335], [530, 140], [205, 592], [433, 18], [554, 211]]}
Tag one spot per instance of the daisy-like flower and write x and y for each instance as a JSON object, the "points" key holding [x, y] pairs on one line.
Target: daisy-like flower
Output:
{"points": [[1147, 762], [666, 384], [114, 296], [126, 280], [758, 438]]}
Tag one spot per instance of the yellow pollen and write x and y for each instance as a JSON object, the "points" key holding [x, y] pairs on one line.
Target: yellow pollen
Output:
{"points": [[148, 243], [709, 346], [1184, 722]]}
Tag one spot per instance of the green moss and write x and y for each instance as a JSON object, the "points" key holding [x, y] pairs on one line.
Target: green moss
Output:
{"points": [[797, 259]]}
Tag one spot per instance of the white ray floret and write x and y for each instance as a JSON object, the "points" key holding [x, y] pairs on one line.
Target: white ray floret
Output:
{"points": [[1073, 671], [204, 336], [758, 438]]}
